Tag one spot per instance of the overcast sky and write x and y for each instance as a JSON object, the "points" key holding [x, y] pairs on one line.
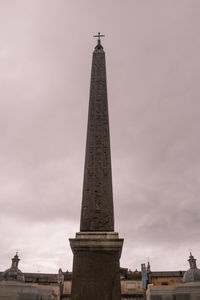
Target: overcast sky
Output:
{"points": [[153, 76]]}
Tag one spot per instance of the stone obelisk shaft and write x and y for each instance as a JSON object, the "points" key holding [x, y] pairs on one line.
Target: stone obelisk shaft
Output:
{"points": [[97, 248], [97, 202]]}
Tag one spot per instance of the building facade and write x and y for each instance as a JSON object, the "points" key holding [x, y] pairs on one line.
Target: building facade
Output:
{"points": [[165, 285], [14, 284], [175, 285]]}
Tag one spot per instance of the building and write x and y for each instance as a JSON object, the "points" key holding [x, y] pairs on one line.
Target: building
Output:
{"points": [[163, 285], [28, 286], [131, 285], [14, 284], [175, 285], [165, 277]]}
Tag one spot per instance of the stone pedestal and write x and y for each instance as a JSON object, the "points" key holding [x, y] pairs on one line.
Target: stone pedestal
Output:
{"points": [[96, 273]]}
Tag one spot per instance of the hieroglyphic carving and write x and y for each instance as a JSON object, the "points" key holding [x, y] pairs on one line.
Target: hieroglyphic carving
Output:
{"points": [[101, 220], [97, 204]]}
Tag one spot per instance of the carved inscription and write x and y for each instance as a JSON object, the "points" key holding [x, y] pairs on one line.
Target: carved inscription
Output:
{"points": [[97, 204]]}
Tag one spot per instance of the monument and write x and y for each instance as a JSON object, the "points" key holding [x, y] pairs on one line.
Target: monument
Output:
{"points": [[97, 248]]}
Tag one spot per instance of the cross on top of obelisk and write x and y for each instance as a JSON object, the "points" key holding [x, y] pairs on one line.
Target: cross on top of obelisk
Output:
{"points": [[99, 35]]}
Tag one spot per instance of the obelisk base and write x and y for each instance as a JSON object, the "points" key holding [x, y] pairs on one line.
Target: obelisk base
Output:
{"points": [[96, 268]]}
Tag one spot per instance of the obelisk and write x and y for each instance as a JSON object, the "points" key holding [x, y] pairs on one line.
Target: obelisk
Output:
{"points": [[97, 248]]}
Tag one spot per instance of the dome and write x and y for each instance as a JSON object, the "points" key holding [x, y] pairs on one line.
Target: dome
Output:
{"points": [[193, 274], [13, 273]]}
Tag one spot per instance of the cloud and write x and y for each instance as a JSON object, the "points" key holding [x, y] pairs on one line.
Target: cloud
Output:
{"points": [[42, 246], [152, 52]]}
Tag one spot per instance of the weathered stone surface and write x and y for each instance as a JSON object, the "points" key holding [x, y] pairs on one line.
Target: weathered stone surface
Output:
{"points": [[97, 248], [183, 297], [96, 272], [97, 202], [178, 291], [21, 291], [156, 297], [96, 267], [97, 242]]}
